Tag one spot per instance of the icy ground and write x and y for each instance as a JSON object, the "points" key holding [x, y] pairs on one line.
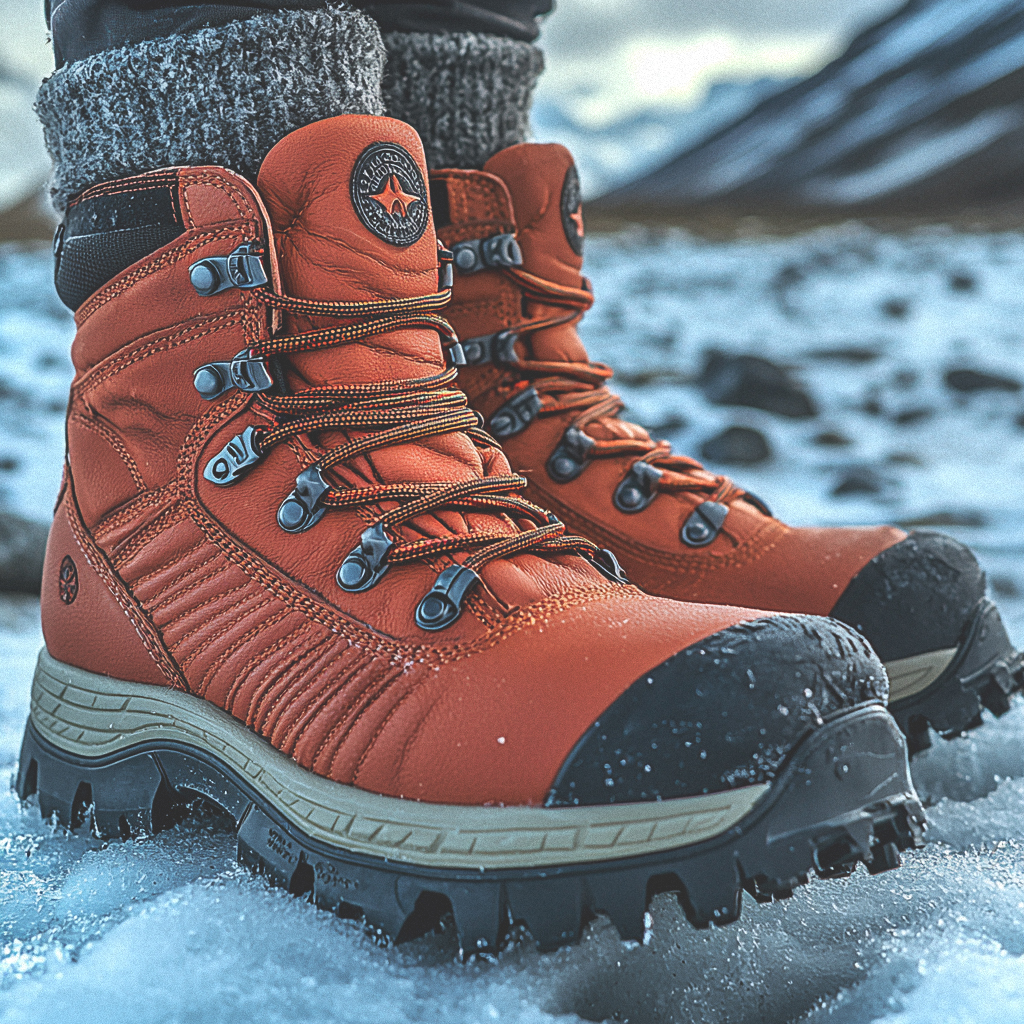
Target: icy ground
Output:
{"points": [[170, 929]]}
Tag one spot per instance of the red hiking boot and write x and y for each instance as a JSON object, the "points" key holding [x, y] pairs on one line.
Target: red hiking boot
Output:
{"points": [[290, 573], [516, 229]]}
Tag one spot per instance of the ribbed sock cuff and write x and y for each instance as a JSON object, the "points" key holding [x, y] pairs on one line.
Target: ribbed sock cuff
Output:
{"points": [[467, 94], [221, 96]]}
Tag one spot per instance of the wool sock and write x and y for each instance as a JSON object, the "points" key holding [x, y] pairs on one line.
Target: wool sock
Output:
{"points": [[466, 93], [223, 95]]}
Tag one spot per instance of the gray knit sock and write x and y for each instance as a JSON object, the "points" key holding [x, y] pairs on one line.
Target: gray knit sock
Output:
{"points": [[467, 94], [221, 95]]}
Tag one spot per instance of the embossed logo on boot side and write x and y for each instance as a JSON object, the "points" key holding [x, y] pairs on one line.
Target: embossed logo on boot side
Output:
{"points": [[572, 210], [389, 194], [67, 580]]}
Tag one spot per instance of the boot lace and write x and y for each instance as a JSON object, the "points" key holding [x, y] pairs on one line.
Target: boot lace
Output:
{"points": [[391, 413], [581, 388]]}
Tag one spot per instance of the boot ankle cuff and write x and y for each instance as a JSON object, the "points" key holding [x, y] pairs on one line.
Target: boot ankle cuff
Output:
{"points": [[467, 94], [223, 95]]}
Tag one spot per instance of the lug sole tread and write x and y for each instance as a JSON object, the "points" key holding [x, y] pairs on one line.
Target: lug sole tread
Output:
{"points": [[813, 821]]}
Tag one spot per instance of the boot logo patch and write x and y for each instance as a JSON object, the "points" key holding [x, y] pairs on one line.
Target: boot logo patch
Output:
{"points": [[67, 580], [389, 194], [572, 210]]}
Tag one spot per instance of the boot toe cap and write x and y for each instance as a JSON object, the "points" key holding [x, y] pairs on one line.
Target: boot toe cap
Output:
{"points": [[722, 713], [914, 597]]}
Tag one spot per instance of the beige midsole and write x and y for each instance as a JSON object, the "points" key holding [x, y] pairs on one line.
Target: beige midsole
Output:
{"points": [[908, 676], [93, 716]]}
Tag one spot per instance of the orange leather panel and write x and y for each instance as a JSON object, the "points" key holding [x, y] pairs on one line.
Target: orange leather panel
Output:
{"points": [[91, 630]]}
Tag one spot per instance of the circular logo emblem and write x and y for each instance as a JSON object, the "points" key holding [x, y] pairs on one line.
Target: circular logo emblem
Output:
{"points": [[572, 210], [67, 580], [389, 194]]}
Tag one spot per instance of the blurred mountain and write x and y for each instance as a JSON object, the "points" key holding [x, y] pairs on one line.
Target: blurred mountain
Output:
{"points": [[924, 113], [620, 151]]}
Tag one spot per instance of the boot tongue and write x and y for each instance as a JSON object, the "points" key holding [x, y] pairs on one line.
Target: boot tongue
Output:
{"points": [[545, 191], [350, 211]]}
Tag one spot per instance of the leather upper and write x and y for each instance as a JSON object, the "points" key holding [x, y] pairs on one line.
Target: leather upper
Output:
{"points": [[219, 601], [755, 561]]}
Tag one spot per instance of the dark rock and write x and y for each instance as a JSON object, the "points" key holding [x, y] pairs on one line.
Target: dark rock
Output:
{"points": [[896, 309], [908, 416], [8, 464], [974, 519], [859, 481], [905, 459], [22, 546], [872, 406], [854, 354], [962, 283], [831, 439], [737, 446], [755, 383], [1004, 586], [968, 381], [666, 425]]}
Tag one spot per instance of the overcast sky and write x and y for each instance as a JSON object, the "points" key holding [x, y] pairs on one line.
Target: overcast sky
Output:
{"points": [[610, 56]]}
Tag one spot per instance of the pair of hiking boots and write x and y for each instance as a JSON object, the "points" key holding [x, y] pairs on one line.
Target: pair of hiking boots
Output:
{"points": [[292, 571]]}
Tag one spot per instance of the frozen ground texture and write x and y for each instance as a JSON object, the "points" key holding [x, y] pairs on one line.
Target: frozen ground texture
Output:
{"points": [[169, 929]]}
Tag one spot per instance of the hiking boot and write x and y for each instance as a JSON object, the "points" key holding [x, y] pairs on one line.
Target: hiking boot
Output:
{"points": [[290, 573], [516, 230]]}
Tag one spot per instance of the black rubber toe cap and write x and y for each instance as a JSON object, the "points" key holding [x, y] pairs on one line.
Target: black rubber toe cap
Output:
{"points": [[914, 597], [723, 713]]}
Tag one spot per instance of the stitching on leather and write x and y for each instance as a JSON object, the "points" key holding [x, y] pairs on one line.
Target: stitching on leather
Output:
{"points": [[257, 716], [289, 690], [310, 715], [163, 522], [180, 251], [115, 442], [132, 508], [231, 618], [136, 615], [161, 342], [262, 656], [234, 617], [169, 599]]}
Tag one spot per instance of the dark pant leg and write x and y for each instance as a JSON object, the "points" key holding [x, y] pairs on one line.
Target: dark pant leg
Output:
{"points": [[81, 28]]}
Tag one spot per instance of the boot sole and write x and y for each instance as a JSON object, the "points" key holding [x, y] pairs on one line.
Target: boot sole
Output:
{"points": [[946, 690], [123, 758]]}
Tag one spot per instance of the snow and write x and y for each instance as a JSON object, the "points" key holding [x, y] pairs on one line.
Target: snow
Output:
{"points": [[169, 928]]}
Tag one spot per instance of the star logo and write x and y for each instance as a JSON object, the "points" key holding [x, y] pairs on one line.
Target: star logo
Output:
{"points": [[389, 194], [394, 198]]}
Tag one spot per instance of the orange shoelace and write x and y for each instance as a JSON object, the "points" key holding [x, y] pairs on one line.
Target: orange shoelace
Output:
{"points": [[399, 412], [566, 386]]}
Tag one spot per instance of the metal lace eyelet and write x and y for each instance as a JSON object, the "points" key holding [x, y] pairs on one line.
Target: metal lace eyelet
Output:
{"points": [[243, 268], [704, 524], [302, 508], [366, 562], [442, 604], [569, 459], [638, 489], [605, 562], [235, 459], [516, 414], [245, 371]]}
